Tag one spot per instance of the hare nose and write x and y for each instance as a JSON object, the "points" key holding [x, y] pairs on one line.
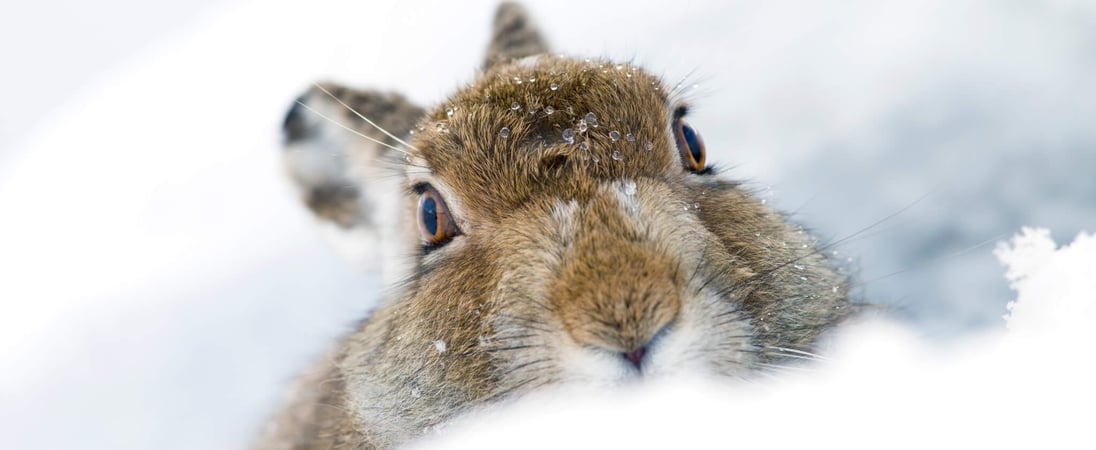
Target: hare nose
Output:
{"points": [[636, 356]]}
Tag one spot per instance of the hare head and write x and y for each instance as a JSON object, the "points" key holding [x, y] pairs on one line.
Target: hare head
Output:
{"points": [[559, 223]]}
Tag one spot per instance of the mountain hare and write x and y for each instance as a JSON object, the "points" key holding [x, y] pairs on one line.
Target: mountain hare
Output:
{"points": [[558, 224]]}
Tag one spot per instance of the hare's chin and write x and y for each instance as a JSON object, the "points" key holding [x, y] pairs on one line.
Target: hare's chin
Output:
{"points": [[583, 366]]}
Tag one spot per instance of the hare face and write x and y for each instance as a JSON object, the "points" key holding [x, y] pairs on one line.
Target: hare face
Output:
{"points": [[584, 246], [557, 224], [576, 238]]}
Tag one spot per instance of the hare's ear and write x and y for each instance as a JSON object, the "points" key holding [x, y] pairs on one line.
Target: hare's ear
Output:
{"points": [[514, 36], [340, 175]]}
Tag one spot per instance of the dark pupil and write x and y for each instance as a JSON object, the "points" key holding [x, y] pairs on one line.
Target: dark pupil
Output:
{"points": [[430, 215], [690, 138]]}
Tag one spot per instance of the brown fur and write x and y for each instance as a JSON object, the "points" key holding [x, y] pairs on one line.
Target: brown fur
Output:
{"points": [[570, 254]]}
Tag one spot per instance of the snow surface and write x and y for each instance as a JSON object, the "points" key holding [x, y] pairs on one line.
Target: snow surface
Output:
{"points": [[158, 284], [1057, 287], [882, 387]]}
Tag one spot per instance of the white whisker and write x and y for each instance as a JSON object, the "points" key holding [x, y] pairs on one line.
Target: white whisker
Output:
{"points": [[313, 111], [788, 369], [679, 88], [805, 358], [366, 119], [798, 352]]}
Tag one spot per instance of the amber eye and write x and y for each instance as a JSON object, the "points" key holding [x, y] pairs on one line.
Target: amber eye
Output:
{"points": [[690, 145], [436, 224]]}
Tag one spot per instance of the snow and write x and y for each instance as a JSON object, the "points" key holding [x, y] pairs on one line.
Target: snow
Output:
{"points": [[1057, 287], [882, 386], [159, 284]]}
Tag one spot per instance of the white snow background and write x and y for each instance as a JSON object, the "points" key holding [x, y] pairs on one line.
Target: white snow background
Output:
{"points": [[159, 284]]}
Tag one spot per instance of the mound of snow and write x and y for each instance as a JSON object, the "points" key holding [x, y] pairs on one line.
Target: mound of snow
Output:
{"points": [[1056, 287], [1030, 387]]}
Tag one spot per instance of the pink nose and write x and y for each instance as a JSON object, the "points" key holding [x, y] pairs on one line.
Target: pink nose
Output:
{"points": [[636, 356]]}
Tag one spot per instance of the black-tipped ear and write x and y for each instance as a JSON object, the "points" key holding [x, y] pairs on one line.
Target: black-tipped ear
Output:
{"points": [[514, 36]]}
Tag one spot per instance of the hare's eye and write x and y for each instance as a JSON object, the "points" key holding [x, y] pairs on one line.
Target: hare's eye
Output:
{"points": [[689, 145], [436, 224]]}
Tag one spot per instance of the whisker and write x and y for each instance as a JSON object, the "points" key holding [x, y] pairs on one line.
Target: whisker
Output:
{"points": [[511, 370], [792, 350], [783, 355], [878, 222], [938, 259], [822, 249], [696, 270], [366, 119], [509, 389], [511, 348], [313, 111], [889, 229], [529, 323], [779, 367], [512, 337], [676, 89]]}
